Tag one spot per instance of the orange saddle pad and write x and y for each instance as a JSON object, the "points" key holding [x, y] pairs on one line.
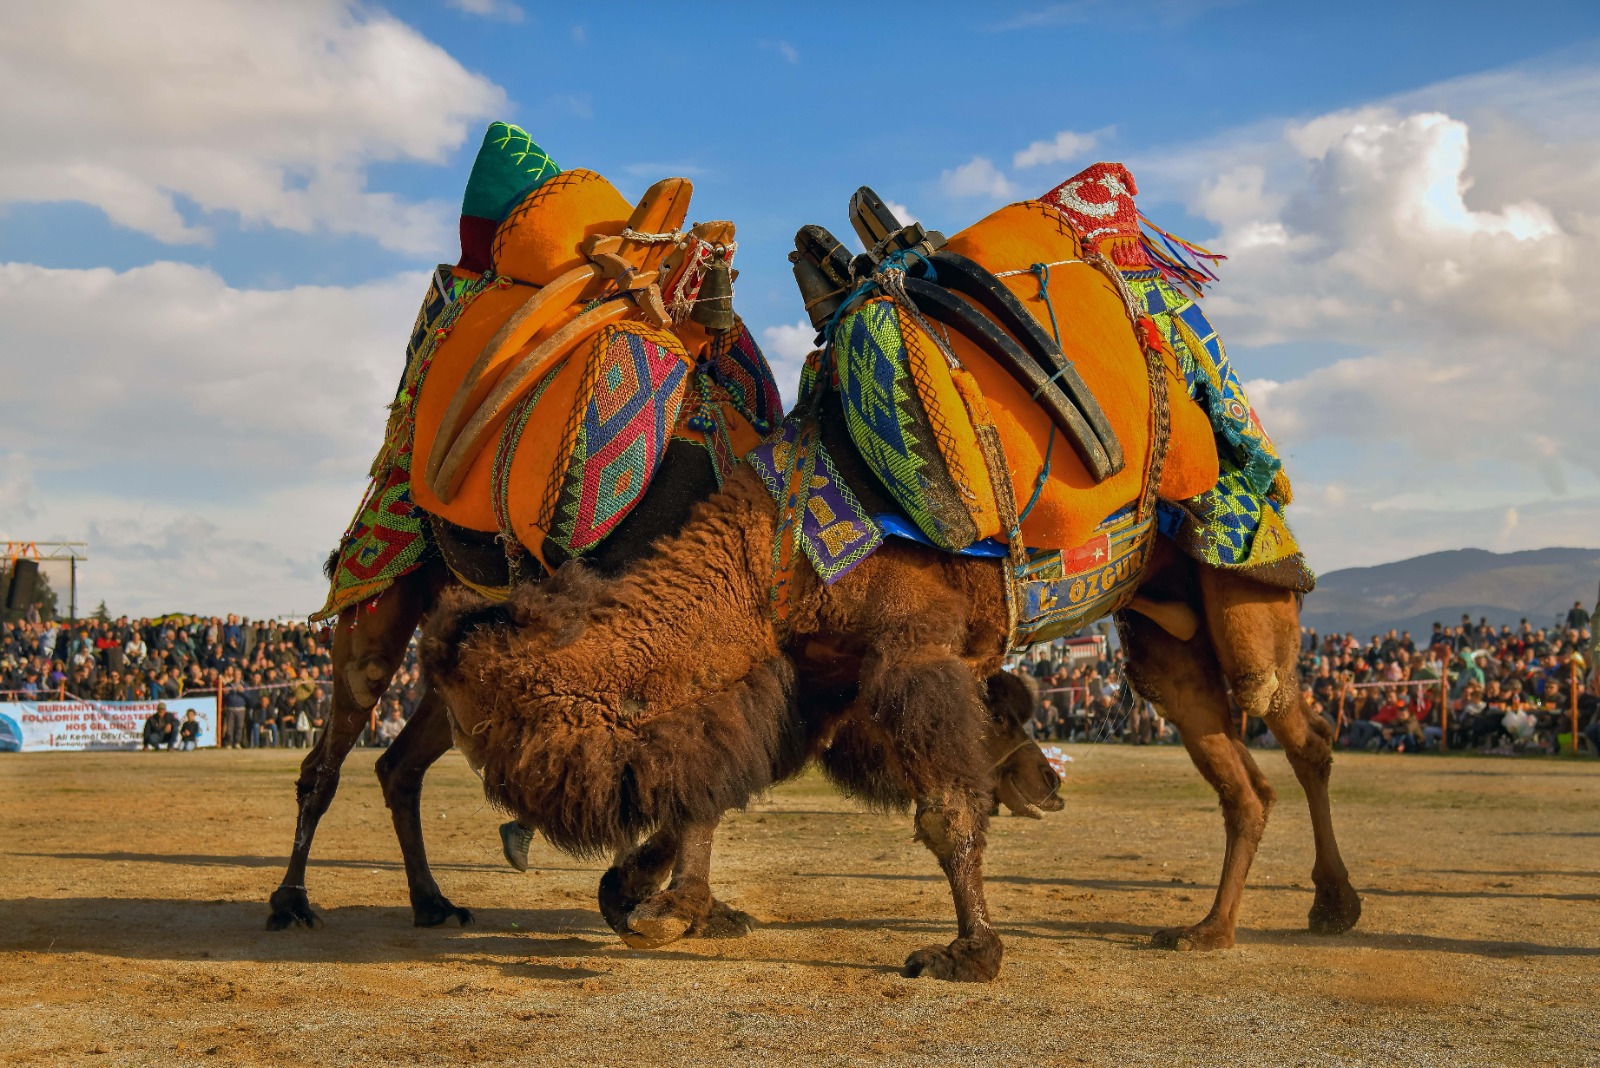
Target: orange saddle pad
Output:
{"points": [[1062, 502]]}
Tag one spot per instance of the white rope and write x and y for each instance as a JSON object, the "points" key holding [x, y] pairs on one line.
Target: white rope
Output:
{"points": [[643, 238], [1029, 270]]}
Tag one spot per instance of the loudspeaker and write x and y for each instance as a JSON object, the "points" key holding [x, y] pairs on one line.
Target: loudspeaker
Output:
{"points": [[24, 577]]}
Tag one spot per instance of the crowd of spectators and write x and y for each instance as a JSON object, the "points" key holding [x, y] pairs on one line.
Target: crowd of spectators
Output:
{"points": [[1506, 689], [273, 676]]}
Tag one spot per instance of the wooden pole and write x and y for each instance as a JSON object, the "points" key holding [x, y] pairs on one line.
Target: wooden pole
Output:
{"points": [[1338, 726], [1574, 665], [1444, 707]]}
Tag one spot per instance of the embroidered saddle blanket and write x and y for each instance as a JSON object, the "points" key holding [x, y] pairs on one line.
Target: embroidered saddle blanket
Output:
{"points": [[549, 368], [959, 442]]}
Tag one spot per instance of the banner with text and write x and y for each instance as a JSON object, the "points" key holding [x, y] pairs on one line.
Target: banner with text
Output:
{"points": [[43, 726]]}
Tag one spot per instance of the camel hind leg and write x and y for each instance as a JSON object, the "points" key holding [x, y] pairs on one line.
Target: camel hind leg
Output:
{"points": [[1255, 630], [368, 648], [1185, 680], [424, 739]]}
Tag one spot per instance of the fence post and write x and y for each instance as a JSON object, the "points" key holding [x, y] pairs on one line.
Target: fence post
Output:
{"points": [[1574, 665], [1444, 708]]}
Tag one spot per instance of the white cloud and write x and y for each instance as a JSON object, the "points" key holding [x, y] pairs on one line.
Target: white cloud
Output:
{"points": [[978, 177], [901, 212], [787, 51], [1449, 253], [17, 492], [1065, 146], [269, 111], [786, 348], [503, 10], [167, 410]]}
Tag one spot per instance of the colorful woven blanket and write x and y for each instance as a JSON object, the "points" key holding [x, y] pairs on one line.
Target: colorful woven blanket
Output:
{"points": [[568, 342]]}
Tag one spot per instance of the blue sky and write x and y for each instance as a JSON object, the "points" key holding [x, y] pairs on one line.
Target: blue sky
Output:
{"points": [[211, 228]]}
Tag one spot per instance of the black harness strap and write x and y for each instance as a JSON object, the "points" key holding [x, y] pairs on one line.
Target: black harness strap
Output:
{"points": [[941, 306], [972, 279]]}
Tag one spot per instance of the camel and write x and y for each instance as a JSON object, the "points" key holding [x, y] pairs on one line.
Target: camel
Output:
{"points": [[603, 710], [556, 250], [366, 656]]}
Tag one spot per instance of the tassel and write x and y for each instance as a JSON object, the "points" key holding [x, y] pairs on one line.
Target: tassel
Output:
{"points": [[1182, 263]]}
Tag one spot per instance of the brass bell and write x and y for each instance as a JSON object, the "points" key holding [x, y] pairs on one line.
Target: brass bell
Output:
{"points": [[713, 307]]}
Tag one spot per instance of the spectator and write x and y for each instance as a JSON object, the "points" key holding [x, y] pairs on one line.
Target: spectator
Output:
{"points": [[389, 728], [189, 731], [151, 734], [169, 726]]}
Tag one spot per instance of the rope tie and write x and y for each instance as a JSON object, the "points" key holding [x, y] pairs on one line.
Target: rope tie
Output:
{"points": [[1038, 485], [647, 238]]}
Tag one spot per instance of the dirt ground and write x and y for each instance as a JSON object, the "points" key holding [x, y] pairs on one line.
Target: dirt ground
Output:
{"points": [[133, 889]]}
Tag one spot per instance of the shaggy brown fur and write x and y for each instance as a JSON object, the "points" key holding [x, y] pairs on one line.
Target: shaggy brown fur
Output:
{"points": [[900, 644]]}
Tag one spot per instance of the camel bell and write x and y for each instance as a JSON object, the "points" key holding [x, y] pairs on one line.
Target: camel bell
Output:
{"points": [[713, 307]]}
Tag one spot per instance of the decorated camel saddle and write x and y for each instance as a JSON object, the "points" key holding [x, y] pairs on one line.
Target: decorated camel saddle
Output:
{"points": [[1041, 387], [547, 374]]}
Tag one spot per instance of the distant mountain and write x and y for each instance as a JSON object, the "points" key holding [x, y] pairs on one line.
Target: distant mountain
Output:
{"points": [[1411, 594]]}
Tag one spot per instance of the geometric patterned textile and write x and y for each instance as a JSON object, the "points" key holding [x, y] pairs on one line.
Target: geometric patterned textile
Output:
{"points": [[1234, 527], [388, 537], [738, 366], [1059, 591], [1210, 378], [891, 427], [835, 533], [1238, 524], [386, 541], [635, 381]]}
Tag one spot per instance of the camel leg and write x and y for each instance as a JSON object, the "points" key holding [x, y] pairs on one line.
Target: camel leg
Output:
{"points": [[685, 907], [952, 829], [425, 738], [368, 647], [929, 707], [1255, 630], [634, 876], [1185, 681]]}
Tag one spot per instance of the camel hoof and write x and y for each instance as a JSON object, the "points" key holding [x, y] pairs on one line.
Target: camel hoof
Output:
{"points": [[1191, 939], [723, 921], [662, 918], [965, 960], [514, 840], [1336, 909], [291, 908], [436, 911]]}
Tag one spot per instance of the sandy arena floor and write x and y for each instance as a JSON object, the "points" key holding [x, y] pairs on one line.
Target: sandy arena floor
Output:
{"points": [[133, 889]]}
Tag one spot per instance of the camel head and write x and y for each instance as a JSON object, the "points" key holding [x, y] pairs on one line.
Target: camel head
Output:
{"points": [[1024, 781]]}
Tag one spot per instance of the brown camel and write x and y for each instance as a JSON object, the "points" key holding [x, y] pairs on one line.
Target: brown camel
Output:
{"points": [[598, 711], [602, 710], [369, 646]]}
